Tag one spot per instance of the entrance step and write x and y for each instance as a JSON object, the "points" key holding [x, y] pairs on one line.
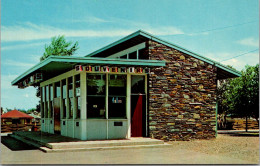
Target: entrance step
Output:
{"points": [[105, 143], [49, 150], [56, 143]]}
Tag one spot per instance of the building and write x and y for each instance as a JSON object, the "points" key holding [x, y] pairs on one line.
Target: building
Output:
{"points": [[16, 117], [139, 86]]}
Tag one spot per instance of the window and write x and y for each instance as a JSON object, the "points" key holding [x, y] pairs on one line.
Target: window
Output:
{"points": [[47, 101], [77, 85], [117, 96], [71, 101], [123, 57], [51, 101], [138, 84], [43, 101], [96, 96], [47, 92], [133, 55], [143, 54], [64, 96], [57, 90]]}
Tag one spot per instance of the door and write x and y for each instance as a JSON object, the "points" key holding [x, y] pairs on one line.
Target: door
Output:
{"points": [[56, 107], [138, 106]]}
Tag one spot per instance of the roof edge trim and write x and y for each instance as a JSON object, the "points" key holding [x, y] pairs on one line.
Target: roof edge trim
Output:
{"points": [[93, 60], [150, 36]]}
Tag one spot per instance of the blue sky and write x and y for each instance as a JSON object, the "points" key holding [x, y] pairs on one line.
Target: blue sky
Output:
{"points": [[217, 29]]}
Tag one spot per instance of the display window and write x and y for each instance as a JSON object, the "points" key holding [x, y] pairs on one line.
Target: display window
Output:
{"points": [[71, 101], [96, 96], [57, 90], [117, 96], [64, 98], [77, 85]]}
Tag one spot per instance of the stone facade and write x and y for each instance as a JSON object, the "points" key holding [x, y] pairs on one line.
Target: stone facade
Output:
{"points": [[182, 98]]}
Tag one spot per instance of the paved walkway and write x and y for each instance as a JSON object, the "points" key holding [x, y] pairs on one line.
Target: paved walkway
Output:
{"points": [[238, 131], [123, 156], [182, 152]]}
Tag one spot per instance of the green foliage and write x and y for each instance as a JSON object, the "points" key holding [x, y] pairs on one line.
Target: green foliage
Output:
{"points": [[31, 110], [59, 47], [240, 96]]}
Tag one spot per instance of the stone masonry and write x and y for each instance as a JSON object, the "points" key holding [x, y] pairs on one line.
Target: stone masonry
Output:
{"points": [[182, 98]]}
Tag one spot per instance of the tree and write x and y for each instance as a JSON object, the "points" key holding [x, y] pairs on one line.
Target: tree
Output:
{"points": [[59, 47], [240, 96]]}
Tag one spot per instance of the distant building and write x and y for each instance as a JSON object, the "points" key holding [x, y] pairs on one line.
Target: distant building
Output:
{"points": [[138, 86], [16, 117]]}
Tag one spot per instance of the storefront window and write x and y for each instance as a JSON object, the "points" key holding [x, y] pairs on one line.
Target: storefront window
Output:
{"points": [[47, 101], [51, 101], [96, 95], [43, 101], [64, 96], [71, 101], [57, 90], [117, 96], [47, 93], [77, 85]]}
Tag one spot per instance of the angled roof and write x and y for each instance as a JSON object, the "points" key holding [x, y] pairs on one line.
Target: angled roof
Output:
{"points": [[16, 114], [142, 35], [55, 65]]}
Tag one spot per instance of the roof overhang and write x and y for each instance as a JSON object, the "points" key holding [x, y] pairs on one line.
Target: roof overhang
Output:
{"points": [[55, 65], [141, 36]]}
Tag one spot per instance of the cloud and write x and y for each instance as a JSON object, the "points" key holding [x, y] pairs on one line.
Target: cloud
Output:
{"points": [[90, 19], [17, 64], [29, 31], [249, 42], [22, 46], [6, 81], [198, 33], [12, 97], [238, 62]]}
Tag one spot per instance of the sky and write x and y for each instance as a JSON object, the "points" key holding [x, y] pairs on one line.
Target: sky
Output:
{"points": [[226, 31]]}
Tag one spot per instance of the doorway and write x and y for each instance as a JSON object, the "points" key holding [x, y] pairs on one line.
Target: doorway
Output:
{"points": [[138, 106], [56, 107]]}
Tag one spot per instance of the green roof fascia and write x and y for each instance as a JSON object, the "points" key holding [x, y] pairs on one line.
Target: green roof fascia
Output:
{"points": [[107, 61], [210, 61], [150, 36], [90, 60]]}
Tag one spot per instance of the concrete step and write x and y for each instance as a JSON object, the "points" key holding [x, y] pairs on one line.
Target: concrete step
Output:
{"points": [[48, 150], [46, 144], [104, 143]]}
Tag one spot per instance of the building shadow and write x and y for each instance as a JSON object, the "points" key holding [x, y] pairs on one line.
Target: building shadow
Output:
{"points": [[15, 145]]}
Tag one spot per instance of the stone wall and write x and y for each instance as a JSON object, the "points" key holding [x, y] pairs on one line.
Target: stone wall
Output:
{"points": [[182, 104]]}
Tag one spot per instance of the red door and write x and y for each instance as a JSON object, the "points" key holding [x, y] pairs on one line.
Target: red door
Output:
{"points": [[136, 116]]}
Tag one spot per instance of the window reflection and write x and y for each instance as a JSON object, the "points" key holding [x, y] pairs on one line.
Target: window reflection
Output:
{"points": [[96, 96]]}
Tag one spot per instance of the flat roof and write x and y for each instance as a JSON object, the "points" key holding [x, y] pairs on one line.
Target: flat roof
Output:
{"points": [[141, 36], [55, 65]]}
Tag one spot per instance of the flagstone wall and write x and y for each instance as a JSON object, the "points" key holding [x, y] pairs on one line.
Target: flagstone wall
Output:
{"points": [[182, 96]]}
